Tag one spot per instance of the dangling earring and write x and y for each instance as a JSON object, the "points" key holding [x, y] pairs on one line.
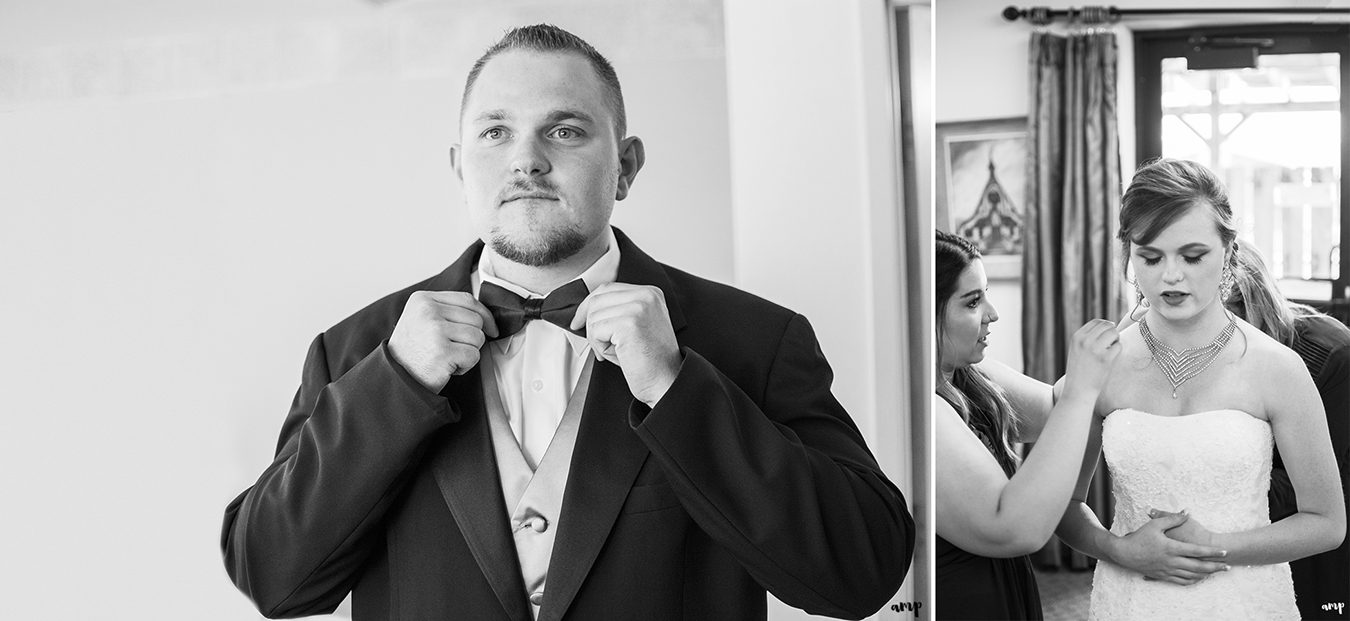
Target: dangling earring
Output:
{"points": [[1226, 282], [1143, 301]]}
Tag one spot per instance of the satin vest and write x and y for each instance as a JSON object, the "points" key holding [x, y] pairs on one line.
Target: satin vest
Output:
{"points": [[534, 498]]}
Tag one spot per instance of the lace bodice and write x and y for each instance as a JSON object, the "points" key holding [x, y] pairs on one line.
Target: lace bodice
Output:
{"points": [[1216, 466]]}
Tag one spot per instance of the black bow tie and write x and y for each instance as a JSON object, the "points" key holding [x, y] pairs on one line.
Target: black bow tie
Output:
{"points": [[512, 312]]}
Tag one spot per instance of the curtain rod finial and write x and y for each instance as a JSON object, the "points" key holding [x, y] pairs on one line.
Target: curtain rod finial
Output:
{"points": [[1011, 13]]}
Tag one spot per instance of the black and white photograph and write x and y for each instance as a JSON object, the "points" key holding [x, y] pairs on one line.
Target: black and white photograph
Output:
{"points": [[675, 310]]}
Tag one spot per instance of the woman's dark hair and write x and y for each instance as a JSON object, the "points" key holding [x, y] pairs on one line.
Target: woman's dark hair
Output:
{"points": [[982, 404]]}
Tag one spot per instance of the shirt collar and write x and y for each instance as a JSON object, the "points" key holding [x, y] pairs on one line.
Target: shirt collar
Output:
{"points": [[605, 270]]}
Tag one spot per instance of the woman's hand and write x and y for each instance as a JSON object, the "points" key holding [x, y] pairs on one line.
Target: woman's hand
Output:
{"points": [[1091, 355]]}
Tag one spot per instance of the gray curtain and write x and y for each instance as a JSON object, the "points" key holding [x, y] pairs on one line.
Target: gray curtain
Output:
{"points": [[1073, 199]]}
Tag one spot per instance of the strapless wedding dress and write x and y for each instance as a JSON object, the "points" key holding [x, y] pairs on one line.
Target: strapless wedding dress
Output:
{"points": [[1215, 465]]}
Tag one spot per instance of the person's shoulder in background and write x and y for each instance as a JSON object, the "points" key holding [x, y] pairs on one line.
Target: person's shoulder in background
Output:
{"points": [[1322, 339]]}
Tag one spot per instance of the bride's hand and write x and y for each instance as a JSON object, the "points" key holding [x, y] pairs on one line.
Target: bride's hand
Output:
{"points": [[1150, 551], [1189, 531]]}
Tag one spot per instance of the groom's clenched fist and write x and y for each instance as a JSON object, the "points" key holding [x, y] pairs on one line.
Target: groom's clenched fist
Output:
{"points": [[629, 325], [439, 335]]}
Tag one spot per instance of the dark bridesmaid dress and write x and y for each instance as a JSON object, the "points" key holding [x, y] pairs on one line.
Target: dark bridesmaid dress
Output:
{"points": [[970, 586]]}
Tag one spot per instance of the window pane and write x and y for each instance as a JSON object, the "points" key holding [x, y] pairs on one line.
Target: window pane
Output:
{"points": [[1272, 133]]}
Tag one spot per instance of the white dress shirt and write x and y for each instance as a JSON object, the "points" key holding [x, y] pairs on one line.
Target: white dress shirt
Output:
{"points": [[537, 368]]}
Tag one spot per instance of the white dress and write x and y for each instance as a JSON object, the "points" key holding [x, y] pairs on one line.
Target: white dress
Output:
{"points": [[1215, 465]]}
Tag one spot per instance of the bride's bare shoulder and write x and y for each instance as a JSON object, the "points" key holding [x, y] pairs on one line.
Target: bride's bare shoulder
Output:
{"points": [[1266, 359], [1252, 342]]}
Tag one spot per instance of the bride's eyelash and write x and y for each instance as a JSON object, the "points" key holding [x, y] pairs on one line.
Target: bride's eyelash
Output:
{"points": [[1195, 260]]}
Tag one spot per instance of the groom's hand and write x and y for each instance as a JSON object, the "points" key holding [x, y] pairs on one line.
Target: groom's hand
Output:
{"points": [[1150, 551], [629, 325], [439, 335]]}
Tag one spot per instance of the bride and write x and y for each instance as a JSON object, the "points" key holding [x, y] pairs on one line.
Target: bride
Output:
{"points": [[1187, 420]]}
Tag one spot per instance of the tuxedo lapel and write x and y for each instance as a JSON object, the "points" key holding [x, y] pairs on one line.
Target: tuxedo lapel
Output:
{"points": [[608, 455], [636, 267], [465, 469], [605, 462], [466, 472], [456, 277]]}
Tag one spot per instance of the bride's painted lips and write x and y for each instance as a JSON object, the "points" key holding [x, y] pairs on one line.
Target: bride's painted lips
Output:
{"points": [[1174, 297], [983, 340]]}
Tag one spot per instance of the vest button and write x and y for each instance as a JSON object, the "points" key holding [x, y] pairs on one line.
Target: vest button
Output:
{"points": [[536, 523], [537, 598]]}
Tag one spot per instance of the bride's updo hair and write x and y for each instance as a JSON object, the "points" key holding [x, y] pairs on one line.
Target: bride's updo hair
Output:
{"points": [[982, 404], [1162, 191]]}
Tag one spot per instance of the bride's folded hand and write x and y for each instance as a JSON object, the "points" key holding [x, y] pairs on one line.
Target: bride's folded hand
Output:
{"points": [[1189, 531], [1156, 551]]}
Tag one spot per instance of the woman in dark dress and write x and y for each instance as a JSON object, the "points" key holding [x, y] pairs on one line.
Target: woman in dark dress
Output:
{"points": [[991, 513], [1324, 345]]}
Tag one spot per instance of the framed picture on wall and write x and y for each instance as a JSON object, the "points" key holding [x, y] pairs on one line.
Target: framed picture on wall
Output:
{"points": [[981, 188]]}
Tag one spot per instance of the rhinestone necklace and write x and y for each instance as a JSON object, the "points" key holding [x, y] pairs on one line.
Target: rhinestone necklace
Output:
{"points": [[1180, 366]]}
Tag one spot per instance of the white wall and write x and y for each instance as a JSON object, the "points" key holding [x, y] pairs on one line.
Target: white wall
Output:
{"points": [[980, 73], [979, 62], [815, 203], [190, 190]]}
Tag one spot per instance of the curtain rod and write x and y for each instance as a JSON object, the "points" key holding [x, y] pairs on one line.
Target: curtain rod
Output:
{"points": [[1102, 14]]}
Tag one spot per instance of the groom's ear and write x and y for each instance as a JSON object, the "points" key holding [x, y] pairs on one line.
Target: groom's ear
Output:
{"points": [[457, 160]]}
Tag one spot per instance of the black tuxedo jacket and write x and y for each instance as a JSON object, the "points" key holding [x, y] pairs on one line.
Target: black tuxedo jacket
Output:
{"points": [[747, 476]]}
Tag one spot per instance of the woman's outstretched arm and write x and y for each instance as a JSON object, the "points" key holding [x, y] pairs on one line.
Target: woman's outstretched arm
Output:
{"points": [[979, 508]]}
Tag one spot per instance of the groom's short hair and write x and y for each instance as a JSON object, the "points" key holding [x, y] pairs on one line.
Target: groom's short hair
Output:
{"points": [[550, 38]]}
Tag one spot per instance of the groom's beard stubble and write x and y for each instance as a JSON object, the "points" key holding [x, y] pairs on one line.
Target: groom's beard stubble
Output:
{"points": [[552, 247]]}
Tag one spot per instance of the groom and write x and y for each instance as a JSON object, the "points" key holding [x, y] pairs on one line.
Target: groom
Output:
{"points": [[558, 426]]}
